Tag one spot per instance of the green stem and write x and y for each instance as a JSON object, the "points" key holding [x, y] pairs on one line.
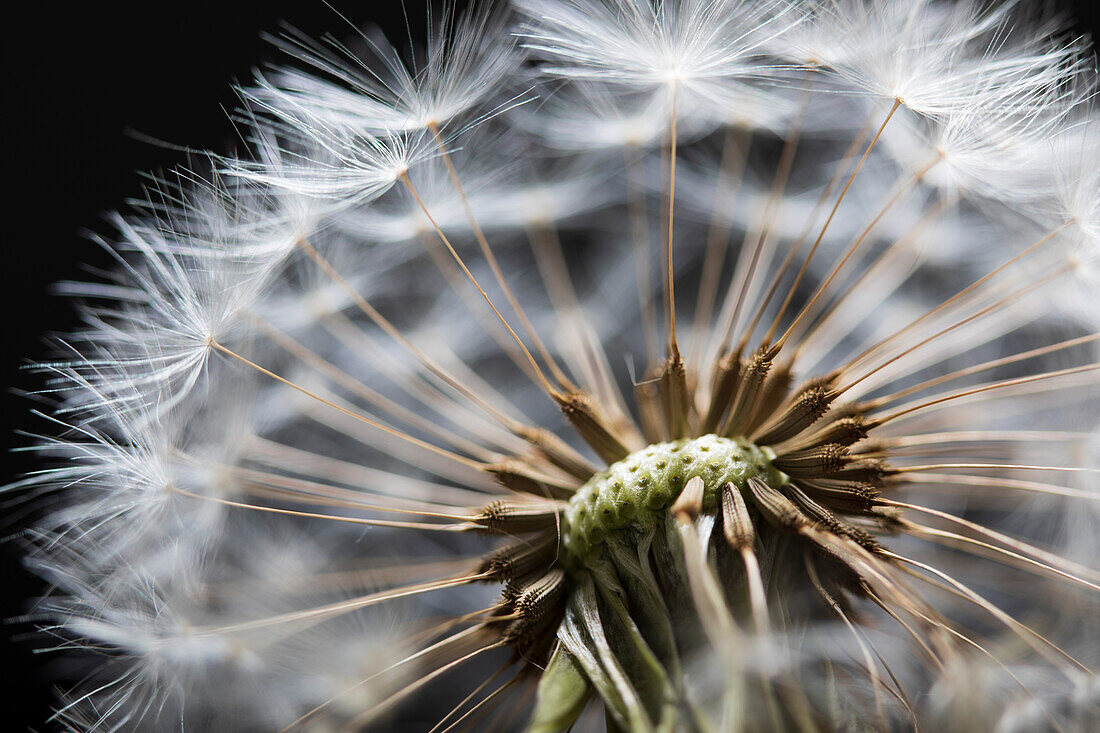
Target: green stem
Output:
{"points": [[562, 694]]}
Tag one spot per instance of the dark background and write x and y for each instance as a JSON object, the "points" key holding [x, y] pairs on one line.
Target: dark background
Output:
{"points": [[85, 87]]}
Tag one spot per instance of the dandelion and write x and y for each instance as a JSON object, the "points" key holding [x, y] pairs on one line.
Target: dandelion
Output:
{"points": [[682, 365]]}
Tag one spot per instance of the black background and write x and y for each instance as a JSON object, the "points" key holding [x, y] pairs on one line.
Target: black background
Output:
{"points": [[85, 87]]}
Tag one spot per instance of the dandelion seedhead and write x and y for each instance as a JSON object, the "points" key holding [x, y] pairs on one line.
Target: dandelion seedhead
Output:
{"points": [[681, 365]]}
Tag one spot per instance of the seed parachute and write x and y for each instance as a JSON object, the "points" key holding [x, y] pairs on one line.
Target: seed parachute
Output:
{"points": [[695, 365]]}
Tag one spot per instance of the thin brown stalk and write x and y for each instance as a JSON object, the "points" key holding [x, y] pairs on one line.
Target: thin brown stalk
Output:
{"points": [[986, 366], [1010, 299], [459, 285], [371, 396], [460, 636], [1034, 639], [491, 259], [473, 693], [925, 480], [470, 463], [1046, 557], [541, 377], [670, 285], [744, 277], [828, 221], [488, 698], [339, 607], [804, 336], [868, 662], [911, 408], [735, 149], [465, 402], [589, 355], [828, 281], [959, 295], [390, 330], [998, 553], [466, 527]]}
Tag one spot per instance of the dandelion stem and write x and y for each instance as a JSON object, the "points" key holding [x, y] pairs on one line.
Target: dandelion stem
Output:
{"points": [[562, 694]]}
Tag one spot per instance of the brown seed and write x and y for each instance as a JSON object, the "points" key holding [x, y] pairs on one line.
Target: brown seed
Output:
{"points": [[531, 599], [592, 426], [675, 399], [819, 461], [558, 452], [538, 607], [806, 409], [850, 497], [863, 470], [844, 431], [776, 508], [518, 476], [748, 391], [772, 396], [506, 517], [520, 559], [689, 504], [727, 377], [828, 520], [736, 522]]}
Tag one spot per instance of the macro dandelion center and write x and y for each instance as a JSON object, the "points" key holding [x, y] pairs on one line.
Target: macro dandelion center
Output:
{"points": [[697, 365]]}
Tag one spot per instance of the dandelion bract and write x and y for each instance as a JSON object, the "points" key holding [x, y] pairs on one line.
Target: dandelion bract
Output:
{"points": [[640, 365]]}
